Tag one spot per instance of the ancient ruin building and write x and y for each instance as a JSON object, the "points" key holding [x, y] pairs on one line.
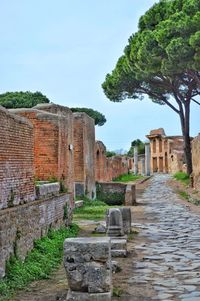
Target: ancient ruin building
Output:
{"points": [[84, 152], [196, 161], [166, 152], [16, 160], [53, 138]]}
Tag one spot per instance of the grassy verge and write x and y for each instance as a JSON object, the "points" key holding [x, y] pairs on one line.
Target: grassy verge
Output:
{"points": [[184, 195], [182, 177], [91, 210], [39, 263], [127, 178]]}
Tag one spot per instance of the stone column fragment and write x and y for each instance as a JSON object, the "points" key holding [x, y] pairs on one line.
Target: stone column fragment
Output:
{"points": [[135, 160], [130, 195], [126, 219], [147, 159], [87, 263]]}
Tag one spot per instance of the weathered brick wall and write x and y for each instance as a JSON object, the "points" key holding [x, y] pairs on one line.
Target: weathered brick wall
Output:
{"points": [[107, 169], [52, 157], [84, 152], [16, 160], [196, 161], [21, 225], [102, 164], [66, 140]]}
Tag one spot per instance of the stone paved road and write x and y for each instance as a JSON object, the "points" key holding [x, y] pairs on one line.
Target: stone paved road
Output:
{"points": [[171, 258]]}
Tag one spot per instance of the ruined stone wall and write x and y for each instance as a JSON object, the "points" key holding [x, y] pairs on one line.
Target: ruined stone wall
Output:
{"points": [[176, 161], [196, 161], [52, 157], [102, 163], [21, 225], [16, 160], [84, 155]]}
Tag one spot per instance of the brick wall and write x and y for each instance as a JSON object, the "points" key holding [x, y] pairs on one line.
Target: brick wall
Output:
{"points": [[107, 169], [196, 161], [21, 225], [84, 144], [16, 160], [52, 136]]}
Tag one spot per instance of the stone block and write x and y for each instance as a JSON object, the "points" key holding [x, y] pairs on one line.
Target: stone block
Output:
{"points": [[79, 204], [126, 218], [47, 190], [114, 222], [130, 195], [88, 266]]}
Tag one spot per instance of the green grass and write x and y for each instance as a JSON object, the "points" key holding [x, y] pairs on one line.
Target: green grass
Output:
{"points": [[39, 263], [127, 178], [91, 210], [184, 195], [182, 177]]}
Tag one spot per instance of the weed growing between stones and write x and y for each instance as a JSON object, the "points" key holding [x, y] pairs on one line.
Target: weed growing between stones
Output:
{"points": [[39, 263], [117, 292], [182, 177]]}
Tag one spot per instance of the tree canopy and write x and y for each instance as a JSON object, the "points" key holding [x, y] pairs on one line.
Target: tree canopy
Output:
{"points": [[162, 60], [97, 116], [13, 100], [139, 144]]}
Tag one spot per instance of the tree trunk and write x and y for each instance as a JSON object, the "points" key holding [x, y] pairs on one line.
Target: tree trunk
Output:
{"points": [[185, 126]]}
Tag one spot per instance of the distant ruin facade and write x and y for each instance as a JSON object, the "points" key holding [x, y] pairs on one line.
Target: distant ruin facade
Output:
{"points": [[167, 154]]}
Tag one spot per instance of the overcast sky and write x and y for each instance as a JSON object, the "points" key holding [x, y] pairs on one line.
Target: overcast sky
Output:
{"points": [[65, 49]]}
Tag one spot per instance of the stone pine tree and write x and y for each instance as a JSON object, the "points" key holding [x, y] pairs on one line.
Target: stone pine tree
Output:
{"points": [[162, 61], [98, 117]]}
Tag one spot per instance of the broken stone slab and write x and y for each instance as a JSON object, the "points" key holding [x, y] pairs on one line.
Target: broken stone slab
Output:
{"points": [[87, 263], [47, 190], [80, 296], [119, 253], [114, 222], [79, 204], [100, 229], [126, 218]]}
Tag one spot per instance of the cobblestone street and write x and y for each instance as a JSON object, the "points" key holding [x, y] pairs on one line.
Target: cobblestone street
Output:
{"points": [[170, 261]]}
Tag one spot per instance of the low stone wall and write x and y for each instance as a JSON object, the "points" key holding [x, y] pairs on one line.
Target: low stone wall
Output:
{"points": [[115, 193], [21, 225]]}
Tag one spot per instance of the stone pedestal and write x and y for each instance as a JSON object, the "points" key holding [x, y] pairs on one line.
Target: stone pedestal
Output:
{"points": [[130, 195], [87, 263], [126, 219], [114, 222]]}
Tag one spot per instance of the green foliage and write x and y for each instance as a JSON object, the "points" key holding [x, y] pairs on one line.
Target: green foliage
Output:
{"points": [[127, 178], [117, 292], [91, 210], [39, 263], [98, 117], [184, 195], [110, 154], [139, 144], [13, 100], [182, 177], [162, 61]]}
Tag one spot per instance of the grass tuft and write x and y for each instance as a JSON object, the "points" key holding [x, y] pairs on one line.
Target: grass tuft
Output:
{"points": [[127, 178], [182, 177]]}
